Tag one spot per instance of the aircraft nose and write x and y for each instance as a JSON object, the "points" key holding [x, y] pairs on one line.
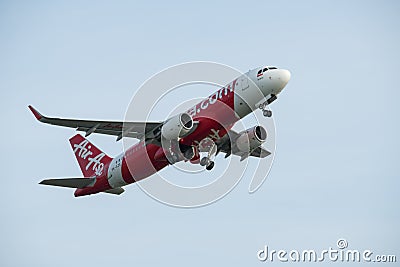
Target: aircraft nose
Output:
{"points": [[284, 76]]}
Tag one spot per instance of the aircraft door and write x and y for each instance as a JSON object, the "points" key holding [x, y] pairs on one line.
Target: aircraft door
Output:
{"points": [[244, 82]]}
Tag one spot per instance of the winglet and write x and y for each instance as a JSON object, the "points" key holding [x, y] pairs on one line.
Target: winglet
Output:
{"points": [[36, 113]]}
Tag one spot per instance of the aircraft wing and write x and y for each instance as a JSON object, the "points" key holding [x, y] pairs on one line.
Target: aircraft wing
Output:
{"points": [[117, 128], [225, 145]]}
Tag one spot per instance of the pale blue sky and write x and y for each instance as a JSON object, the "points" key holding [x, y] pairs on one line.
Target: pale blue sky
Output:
{"points": [[336, 171]]}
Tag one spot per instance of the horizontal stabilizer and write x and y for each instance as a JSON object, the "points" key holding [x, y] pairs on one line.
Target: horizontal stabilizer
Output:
{"points": [[115, 191], [70, 182]]}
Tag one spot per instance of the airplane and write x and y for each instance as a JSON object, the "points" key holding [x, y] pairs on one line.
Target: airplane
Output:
{"points": [[205, 129]]}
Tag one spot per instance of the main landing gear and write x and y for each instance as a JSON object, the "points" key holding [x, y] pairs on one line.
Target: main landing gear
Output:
{"points": [[208, 147], [206, 161], [263, 106]]}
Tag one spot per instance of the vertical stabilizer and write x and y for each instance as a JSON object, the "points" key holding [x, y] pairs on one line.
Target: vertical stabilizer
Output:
{"points": [[91, 159]]}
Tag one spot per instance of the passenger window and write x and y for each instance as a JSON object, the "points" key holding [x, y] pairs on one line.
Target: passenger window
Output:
{"points": [[272, 68]]}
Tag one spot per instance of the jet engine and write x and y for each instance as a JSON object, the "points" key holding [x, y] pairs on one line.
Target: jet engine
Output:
{"points": [[250, 139], [177, 126]]}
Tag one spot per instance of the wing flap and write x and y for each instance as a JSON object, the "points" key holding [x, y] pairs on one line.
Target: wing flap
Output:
{"points": [[115, 191], [111, 132], [260, 152]]}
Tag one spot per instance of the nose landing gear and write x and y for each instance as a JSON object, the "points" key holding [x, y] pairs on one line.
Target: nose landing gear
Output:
{"points": [[263, 106], [267, 113]]}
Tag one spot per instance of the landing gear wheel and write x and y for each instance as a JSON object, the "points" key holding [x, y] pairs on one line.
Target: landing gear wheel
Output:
{"points": [[267, 113], [188, 154], [210, 166], [205, 161]]}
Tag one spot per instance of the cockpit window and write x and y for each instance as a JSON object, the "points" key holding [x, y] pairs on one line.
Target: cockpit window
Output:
{"points": [[272, 68], [259, 72], [265, 69]]}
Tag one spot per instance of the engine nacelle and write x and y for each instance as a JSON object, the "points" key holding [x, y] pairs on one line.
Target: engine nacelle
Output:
{"points": [[251, 138], [177, 126]]}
